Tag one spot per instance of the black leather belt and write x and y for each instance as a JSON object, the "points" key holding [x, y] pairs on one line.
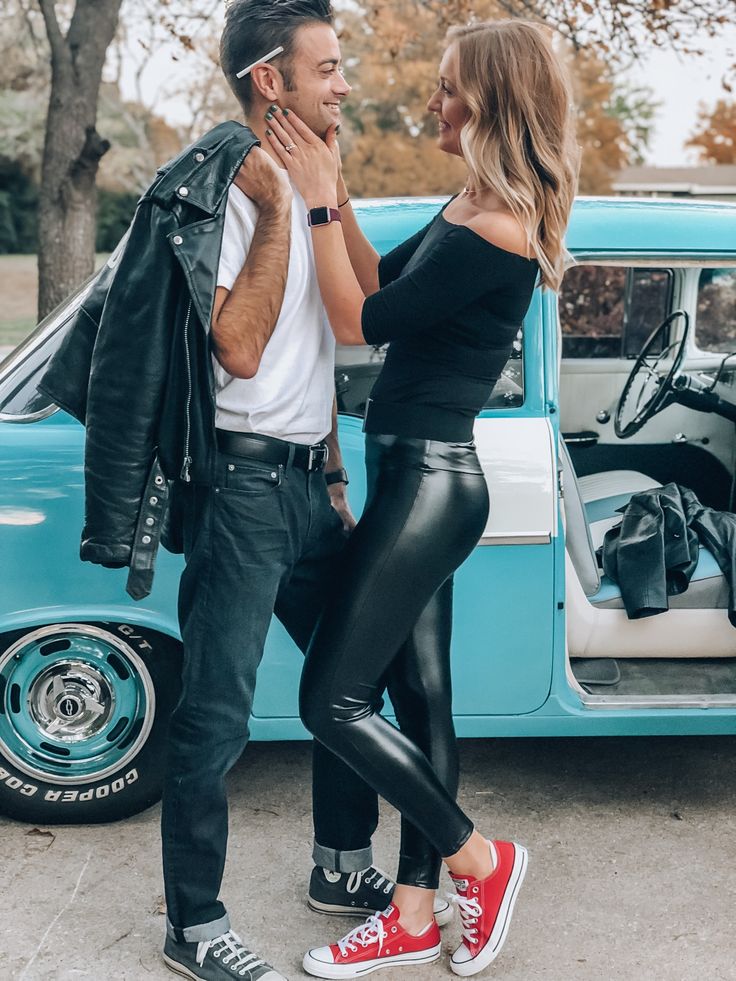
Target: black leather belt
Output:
{"points": [[272, 450]]}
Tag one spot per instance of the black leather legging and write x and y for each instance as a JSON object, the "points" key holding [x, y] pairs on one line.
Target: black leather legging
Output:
{"points": [[389, 624]]}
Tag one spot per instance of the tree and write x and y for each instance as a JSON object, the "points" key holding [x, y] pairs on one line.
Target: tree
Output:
{"points": [[73, 148], [613, 121], [390, 141], [715, 138], [79, 36], [79, 33]]}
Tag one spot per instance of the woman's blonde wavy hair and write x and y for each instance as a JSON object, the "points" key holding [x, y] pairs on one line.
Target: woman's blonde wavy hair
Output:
{"points": [[520, 138]]}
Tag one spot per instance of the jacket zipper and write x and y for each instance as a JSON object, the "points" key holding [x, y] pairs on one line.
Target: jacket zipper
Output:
{"points": [[186, 465]]}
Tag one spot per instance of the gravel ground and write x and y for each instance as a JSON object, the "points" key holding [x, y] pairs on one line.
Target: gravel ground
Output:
{"points": [[632, 845]]}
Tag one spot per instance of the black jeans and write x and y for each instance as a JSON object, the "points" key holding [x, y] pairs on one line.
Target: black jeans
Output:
{"points": [[263, 539], [390, 620]]}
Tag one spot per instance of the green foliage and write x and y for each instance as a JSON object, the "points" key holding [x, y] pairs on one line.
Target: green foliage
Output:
{"points": [[18, 209], [19, 213], [635, 107], [114, 213]]}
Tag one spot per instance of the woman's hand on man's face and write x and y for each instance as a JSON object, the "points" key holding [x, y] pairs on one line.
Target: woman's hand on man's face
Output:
{"points": [[313, 164]]}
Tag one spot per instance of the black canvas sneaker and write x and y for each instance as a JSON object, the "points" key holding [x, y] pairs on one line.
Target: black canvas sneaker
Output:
{"points": [[223, 959], [359, 894]]}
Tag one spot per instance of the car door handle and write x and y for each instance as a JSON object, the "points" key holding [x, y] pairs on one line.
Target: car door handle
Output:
{"points": [[586, 438]]}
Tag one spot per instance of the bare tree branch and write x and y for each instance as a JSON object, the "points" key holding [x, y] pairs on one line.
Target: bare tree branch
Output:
{"points": [[59, 49]]}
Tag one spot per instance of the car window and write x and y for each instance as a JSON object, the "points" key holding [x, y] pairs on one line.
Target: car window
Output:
{"points": [[21, 371], [610, 311], [357, 369], [715, 318]]}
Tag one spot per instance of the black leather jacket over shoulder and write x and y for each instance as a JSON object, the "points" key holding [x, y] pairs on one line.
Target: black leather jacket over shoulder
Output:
{"points": [[135, 367]]}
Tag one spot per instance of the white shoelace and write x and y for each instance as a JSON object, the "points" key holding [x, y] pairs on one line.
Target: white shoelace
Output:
{"points": [[470, 912], [367, 933], [357, 877], [238, 957]]}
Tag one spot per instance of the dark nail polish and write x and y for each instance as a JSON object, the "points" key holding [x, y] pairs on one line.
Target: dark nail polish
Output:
{"points": [[285, 112], [273, 108], [269, 115], [269, 132], [337, 130]]}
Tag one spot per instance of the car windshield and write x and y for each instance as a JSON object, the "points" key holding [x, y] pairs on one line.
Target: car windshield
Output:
{"points": [[21, 371]]}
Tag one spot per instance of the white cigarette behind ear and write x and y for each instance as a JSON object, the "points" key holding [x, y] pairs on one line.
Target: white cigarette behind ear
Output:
{"points": [[259, 61]]}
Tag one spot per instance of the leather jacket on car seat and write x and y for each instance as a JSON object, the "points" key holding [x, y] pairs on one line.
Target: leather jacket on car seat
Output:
{"points": [[135, 367], [653, 553]]}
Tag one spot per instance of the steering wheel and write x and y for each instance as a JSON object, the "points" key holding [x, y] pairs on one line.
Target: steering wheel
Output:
{"points": [[646, 390]]}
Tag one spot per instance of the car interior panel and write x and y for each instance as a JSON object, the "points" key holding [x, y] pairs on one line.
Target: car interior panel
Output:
{"points": [[689, 441]]}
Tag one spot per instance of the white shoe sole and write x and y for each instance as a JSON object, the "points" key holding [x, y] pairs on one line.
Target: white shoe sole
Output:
{"points": [[184, 972], [492, 949], [318, 969], [178, 968], [443, 916], [329, 910]]}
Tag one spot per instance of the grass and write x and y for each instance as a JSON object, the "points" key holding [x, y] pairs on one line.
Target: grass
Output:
{"points": [[19, 296], [12, 332]]}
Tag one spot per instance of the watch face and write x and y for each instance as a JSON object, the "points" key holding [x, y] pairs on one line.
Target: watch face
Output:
{"points": [[319, 216]]}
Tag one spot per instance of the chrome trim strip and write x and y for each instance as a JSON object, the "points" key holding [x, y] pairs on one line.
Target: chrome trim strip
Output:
{"points": [[33, 417], [521, 538], [707, 260], [658, 701]]}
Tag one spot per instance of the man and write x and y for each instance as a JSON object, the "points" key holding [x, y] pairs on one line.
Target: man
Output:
{"points": [[239, 422]]}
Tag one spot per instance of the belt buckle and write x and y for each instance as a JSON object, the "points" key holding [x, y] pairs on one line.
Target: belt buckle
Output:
{"points": [[318, 456]]}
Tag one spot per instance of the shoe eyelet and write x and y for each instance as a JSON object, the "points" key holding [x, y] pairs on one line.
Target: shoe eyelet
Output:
{"points": [[475, 889], [393, 929]]}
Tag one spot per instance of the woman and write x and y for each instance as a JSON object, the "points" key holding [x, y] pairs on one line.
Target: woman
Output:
{"points": [[449, 301]]}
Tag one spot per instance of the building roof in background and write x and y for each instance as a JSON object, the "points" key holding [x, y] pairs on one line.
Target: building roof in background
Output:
{"points": [[706, 179]]}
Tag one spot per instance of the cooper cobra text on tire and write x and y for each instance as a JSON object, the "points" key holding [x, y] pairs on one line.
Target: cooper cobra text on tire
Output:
{"points": [[83, 715]]}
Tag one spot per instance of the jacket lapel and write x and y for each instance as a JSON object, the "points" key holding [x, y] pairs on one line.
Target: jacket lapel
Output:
{"points": [[197, 249]]}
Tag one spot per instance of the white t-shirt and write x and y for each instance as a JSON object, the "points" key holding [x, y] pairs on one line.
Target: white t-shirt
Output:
{"points": [[291, 395]]}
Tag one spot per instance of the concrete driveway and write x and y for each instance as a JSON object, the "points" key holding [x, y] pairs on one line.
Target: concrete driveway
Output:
{"points": [[632, 868]]}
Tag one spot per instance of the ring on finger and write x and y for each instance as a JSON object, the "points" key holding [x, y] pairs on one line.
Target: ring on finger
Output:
{"points": [[290, 147]]}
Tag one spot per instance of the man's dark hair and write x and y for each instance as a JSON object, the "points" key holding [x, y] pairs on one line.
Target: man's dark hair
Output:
{"points": [[255, 27]]}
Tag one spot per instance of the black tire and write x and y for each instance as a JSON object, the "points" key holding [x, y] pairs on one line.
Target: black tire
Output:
{"points": [[90, 697]]}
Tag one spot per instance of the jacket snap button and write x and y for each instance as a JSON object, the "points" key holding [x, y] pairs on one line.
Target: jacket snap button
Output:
{"points": [[199, 157], [231, 466], [183, 192], [146, 539], [153, 500], [159, 481], [274, 475], [178, 240], [150, 521]]}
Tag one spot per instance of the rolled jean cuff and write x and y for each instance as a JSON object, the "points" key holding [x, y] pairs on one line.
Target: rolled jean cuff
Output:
{"points": [[202, 931], [336, 861]]}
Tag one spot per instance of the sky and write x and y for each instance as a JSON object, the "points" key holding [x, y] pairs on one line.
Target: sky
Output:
{"points": [[678, 83]]}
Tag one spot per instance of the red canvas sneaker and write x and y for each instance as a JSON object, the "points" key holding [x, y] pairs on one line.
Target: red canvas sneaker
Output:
{"points": [[379, 942], [486, 906]]}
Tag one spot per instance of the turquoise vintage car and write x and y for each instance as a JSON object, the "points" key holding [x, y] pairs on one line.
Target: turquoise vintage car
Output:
{"points": [[624, 381]]}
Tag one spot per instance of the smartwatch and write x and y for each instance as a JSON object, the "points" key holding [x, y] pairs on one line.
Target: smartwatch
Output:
{"points": [[337, 477], [322, 216]]}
